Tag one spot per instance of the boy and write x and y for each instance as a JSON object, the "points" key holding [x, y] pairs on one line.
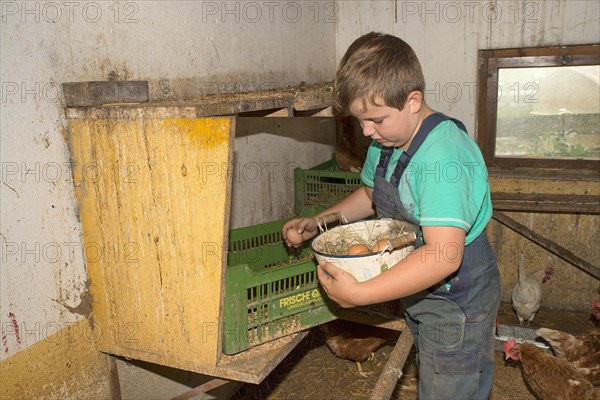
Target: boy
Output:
{"points": [[450, 285]]}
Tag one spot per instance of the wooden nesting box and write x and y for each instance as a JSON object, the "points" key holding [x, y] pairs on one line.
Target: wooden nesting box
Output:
{"points": [[153, 183]]}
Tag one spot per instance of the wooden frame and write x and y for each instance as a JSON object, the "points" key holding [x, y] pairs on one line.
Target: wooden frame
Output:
{"points": [[490, 61]]}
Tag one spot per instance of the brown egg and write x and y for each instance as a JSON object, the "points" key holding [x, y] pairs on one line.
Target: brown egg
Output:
{"points": [[358, 249], [379, 246], [294, 237]]}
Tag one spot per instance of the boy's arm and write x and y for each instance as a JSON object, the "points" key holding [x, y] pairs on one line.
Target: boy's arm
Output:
{"points": [[426, 266], [357, 205]]}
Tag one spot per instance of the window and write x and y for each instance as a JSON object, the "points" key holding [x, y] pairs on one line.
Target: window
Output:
{"points": [[540, 107]]}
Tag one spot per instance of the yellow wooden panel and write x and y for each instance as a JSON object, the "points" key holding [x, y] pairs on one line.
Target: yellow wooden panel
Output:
{"points": [[154, 205]]}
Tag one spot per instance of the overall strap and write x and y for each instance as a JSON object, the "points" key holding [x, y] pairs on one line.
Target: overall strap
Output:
{"points": [[384, 160], [427, 126]]}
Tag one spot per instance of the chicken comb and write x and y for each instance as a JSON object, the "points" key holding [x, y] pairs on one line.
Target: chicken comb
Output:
{"points": [[510, 343]]}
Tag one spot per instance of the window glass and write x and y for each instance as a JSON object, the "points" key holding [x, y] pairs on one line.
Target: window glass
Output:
{"points": [[548, 112]]}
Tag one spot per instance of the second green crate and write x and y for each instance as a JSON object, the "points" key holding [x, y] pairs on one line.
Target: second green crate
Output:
{"points": [[323, 185]]}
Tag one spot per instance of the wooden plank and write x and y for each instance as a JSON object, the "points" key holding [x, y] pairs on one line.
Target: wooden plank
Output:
{"points": [[253, 365], [306, 97], [154, 205], [85, 94], [392, 372], [558, 203], [541, 174], [547, 244]]}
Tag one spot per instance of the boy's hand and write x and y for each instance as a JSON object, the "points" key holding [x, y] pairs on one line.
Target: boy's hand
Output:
{"points": [[305, 228], [339, 285]]}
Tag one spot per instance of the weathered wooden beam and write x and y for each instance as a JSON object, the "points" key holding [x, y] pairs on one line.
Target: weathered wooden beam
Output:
{"points": [[87, 94], [556, 203], [547, 244], [540, 174], [392, 372], [313, 96], [305, 98]]}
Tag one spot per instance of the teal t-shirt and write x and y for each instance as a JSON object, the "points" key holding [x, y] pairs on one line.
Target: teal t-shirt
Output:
{"points": [[445, 182]]}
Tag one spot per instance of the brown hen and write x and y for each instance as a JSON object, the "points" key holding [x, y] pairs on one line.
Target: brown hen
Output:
{"points": [[595, 313], [595, 310], [354, 341], [583, 351], [549, 377]]}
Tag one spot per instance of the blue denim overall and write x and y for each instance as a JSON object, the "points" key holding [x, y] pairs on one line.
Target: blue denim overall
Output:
{"points": [[452, 323]]}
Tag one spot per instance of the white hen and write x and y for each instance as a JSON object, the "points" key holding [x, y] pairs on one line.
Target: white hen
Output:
{"points": [[527, 293]]}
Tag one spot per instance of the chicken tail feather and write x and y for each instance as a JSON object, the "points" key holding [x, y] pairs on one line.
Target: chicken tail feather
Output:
{"points": [[556, 339]]}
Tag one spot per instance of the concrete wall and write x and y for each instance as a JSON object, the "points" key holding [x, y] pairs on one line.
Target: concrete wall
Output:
{"points": [[184, 49], [267, 150]]}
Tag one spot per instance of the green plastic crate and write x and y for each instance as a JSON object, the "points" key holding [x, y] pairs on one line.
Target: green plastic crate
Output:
{"points": [[271, 291], [323, 185]]}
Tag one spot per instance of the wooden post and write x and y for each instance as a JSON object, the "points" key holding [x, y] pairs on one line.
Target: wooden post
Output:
{"points": [[392, 372]]}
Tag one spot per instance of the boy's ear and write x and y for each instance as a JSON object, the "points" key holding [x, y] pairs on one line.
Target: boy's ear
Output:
{"points": [[415, 101]]}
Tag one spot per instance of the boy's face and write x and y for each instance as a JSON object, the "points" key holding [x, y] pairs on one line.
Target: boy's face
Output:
{"points": [[387, 125]]}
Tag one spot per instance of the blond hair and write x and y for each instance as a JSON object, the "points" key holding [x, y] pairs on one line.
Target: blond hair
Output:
{"points": [[375, 66]]}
